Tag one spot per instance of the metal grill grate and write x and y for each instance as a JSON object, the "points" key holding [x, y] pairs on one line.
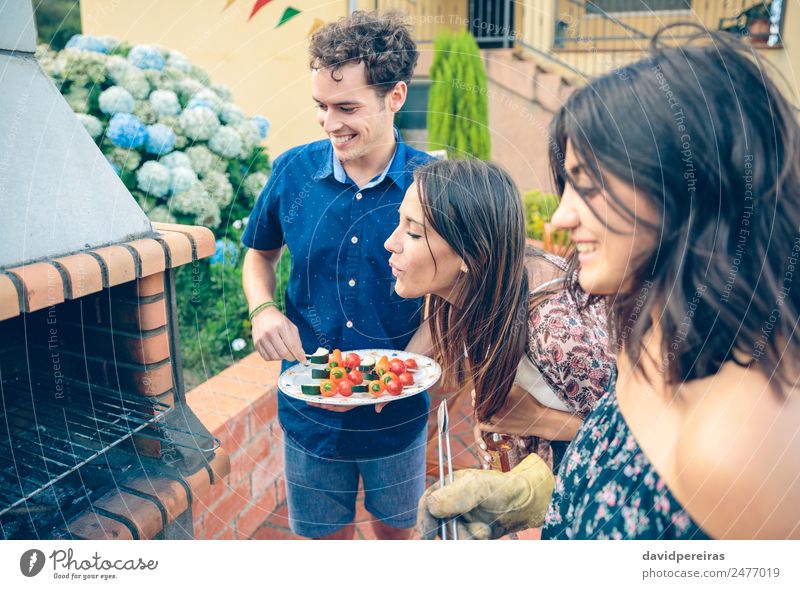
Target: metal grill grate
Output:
{"points": [[46, 434]]}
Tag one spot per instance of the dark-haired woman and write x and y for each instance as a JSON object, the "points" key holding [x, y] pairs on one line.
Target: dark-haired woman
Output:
{"points": [[500, 317], [682, 196]]}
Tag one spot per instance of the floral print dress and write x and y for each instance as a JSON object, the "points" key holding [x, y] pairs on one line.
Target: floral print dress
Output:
{"points": [[607, 489]]}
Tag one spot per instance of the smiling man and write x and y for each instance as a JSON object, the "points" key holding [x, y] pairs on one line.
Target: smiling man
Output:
{"points": [[333, 203]]}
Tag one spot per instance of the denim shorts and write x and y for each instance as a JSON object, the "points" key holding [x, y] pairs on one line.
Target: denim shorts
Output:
{"points": [[321, 492]]}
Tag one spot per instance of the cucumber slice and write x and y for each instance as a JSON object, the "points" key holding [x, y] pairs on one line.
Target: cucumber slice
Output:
{"points": [[320, 373], [359, 388], [310, 389], [320, 356], [370, 376], [367, 364]]}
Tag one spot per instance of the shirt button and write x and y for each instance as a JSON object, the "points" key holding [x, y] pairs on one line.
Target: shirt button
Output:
{"points": [[354, 239], [352, 282], [358, 196], [349, 324]]}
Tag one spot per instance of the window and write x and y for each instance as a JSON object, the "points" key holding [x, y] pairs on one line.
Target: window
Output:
{"points": [[603, 6]]}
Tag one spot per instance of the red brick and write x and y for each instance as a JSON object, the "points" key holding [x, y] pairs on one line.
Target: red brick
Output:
{"points": [[263, 411], [85, 275], [234, 433], [169, 492], [202, 237], [141, 512], [151, 256], [177, 247], [9, 298], [205, 398], [42, 285], [199, 483], [268, 533], [256, 451], [150, 285], [147, 349], [224, 511], [148, 381], [144, 316], [255, 515], [119, 263], [260, 372], [279, 518], [227, 533], [93, 526]]}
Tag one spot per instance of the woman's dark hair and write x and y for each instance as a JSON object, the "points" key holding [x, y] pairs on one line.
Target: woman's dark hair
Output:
{"points": [[477, 209], [702, 134], [383, 41]]}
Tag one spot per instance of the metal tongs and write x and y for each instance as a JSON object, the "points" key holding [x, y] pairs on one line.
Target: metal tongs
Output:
{"points": [[444, 453]]}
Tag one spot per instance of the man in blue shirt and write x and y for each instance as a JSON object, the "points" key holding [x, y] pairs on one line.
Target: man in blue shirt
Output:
{"points": [[334, 203]]}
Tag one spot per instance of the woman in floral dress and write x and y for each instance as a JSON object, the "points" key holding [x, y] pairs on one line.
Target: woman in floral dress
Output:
{"points": [[682, 196]]}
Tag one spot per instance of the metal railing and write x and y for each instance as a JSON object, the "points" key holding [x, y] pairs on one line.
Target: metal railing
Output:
{"points": [[625, 25]]}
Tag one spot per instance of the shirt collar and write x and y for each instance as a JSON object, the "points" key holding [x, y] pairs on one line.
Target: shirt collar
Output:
{"points": [[396, 166]]}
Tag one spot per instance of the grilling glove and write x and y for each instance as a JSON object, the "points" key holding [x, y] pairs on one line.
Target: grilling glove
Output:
{"points": [[488, 504]]}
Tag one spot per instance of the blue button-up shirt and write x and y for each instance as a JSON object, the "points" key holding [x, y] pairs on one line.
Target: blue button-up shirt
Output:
{"points": [[341, 289]]}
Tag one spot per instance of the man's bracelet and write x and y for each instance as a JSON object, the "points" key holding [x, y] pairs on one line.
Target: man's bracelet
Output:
{"points": [[261, 307]]}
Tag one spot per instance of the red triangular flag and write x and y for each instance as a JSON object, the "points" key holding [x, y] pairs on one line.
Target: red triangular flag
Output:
{"points": [[258, 6]]}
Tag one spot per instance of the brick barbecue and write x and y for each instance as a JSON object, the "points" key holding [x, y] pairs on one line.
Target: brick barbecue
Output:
{"points": [[96, 438]]}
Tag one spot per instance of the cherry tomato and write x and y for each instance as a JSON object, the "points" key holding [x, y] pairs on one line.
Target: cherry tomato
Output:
{"points": [[338, 374], [406, 379], [376, 388], [388, 377], [397, 366], [345, 388], [327, 388], [411, 364], [352, 360], [394, 387], [355, 376]]}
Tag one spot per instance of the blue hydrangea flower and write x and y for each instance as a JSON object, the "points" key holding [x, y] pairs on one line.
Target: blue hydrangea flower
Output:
{"points": [[126, 130], [115, 100], [176, 159], [226, 253], [160, 139], [197, 103], [263, 125], [146, 57], [87, 43]]}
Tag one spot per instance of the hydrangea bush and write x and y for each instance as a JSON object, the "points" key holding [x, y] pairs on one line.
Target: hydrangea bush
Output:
{"points": [[188, 154]]}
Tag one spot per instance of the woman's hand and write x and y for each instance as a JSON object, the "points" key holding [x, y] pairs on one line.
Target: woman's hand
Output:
{"points": [[523, 415]]}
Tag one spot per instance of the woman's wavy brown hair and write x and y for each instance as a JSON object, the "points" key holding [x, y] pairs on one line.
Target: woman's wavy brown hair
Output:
{"points": [[383, 41], [708, 140], [482, 329]]}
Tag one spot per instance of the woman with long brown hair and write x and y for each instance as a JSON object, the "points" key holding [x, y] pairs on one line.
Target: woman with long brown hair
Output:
{"points": [[680, 187], [500, 319]]}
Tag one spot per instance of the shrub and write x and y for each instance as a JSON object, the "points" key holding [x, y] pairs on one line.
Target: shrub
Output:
{"points": [[188, 155], [458, 103], [539, 209]]}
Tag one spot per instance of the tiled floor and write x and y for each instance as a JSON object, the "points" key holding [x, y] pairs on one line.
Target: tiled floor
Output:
{"points": [[276, 526]]}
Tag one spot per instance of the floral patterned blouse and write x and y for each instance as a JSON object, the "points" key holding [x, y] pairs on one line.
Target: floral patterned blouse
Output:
{"points": [[570, 349], [607, 489]]}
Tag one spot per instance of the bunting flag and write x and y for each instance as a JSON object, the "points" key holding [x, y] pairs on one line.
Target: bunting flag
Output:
{"points": [[288, 15], [227, 4], [317, 24], [258, 6]]}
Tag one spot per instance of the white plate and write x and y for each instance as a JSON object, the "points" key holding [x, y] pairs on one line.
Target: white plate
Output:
{"points": [[427, 373]]}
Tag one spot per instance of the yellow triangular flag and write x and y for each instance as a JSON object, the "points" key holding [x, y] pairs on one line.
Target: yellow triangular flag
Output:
{"points": [[227, 4], [318, 22]]}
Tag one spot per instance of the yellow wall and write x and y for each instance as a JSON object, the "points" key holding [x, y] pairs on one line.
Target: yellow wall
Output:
{"points": [[265, 68]]}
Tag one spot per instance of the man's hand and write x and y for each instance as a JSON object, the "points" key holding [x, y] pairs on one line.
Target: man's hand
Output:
{"points": [[275, 337], [489, 504]]}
